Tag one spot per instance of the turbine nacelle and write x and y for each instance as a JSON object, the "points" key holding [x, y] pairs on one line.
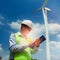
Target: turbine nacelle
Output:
{"points": [[46, 9]]}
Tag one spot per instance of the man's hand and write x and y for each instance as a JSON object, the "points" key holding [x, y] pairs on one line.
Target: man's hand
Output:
{"points": [[32, 45], [37, 42]]}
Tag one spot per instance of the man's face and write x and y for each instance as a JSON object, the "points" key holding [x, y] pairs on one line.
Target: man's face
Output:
{"points": [[25, 29]]}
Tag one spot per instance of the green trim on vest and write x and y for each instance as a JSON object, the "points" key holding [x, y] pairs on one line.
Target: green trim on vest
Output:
{"points": [[26, 55]]}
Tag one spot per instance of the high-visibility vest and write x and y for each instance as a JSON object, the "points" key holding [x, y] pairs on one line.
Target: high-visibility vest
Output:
{"points": [[26, 54]]}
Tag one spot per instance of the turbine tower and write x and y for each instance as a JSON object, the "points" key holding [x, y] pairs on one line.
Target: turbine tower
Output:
{"points": [[45, 11]]}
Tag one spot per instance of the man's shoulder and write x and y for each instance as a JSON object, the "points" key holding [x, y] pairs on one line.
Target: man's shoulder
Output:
{"points": [[13, 34], [18, 33]]}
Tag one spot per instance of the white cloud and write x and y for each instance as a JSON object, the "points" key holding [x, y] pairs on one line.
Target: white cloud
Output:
{"points": [[15, 25], [54, 28], [55, 57], [55, 50], [55, 45], [58, 36]]}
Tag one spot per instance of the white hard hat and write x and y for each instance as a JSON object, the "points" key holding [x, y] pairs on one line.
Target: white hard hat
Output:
{"points": [[29, 23]]}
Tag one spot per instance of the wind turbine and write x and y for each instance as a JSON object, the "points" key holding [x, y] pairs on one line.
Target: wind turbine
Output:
{"points": [[45, 10]]}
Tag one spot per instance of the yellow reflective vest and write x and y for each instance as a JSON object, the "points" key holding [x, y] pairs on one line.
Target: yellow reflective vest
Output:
{"points": [[26, 54]]}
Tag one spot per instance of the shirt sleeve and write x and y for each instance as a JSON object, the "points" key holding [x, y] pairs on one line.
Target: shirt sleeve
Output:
{"points": [[34, 50], [13, 46]]}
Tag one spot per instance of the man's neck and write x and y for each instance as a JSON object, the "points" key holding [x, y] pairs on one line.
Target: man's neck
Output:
{"points": [[22, 34]]}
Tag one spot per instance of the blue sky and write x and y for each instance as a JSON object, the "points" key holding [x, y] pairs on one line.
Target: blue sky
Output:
{"points": [[12, 12]]}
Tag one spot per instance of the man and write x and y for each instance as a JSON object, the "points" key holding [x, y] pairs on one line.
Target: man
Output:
{"points": [[20, 44]]}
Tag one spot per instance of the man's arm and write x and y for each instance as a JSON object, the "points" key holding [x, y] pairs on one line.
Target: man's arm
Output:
{"points": [[38, 41], [13, 46], [35, 45], [34, 50]]}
